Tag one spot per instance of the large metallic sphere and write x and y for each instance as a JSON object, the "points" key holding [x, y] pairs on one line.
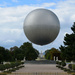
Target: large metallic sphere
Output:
{"points": [[41, 26]]}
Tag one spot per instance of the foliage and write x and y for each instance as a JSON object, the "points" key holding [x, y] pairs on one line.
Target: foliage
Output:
{"points": [[63, 52], [11, 65], [65, 69], [49, 54], [63, 64], [7, 66], [2, 67], [22, 63], [68, 50], [4, 55], [70, 66], [57, 62], [14, 54], [29, 52], [73, 66], [1, 58]]}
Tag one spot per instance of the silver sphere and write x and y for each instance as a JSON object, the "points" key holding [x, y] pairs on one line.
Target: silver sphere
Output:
{"points": [[41, 26]]}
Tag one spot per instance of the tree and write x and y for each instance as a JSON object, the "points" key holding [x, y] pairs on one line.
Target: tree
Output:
{"points": [[63, 52], [55, 52], [2, 54], [69, 46], [17, 53], [51, 53], [1, 58], [25, 50], [20, 56], [29, 52], [47, 54], [8, 56]]}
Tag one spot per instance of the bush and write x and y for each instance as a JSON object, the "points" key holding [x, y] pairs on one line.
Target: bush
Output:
{"points": [[63, 64], [20, 66], [59, 66], [2, 67], [73, 66], [59, 63], [22, 62], [7, 66], [17, 64], [12, 64], [68, 70], [65, 69], [5, 72], [12, 70], [70, 66], [56, 65]]}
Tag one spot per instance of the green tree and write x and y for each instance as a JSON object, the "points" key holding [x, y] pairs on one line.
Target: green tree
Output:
{"points": [[2, 54], [49, 54], [29, 52], [17, 53], [20, 56], [1, 58], [69, 46], [63, 52], [8, 56], [25, 50], [55, 52]]}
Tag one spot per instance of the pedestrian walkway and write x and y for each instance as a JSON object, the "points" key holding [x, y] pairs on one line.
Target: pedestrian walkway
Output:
{"points": [[40, 68], [31, 68]]}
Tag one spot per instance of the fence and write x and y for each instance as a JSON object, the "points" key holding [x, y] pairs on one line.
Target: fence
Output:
{"points": [[35, 73]]}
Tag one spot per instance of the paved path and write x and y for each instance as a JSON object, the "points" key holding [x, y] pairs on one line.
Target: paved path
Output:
{"points": [[39, 68]]}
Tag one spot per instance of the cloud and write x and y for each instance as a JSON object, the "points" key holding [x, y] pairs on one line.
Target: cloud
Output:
{"points": [[65, 10], [12, 18], [11, 25], [47, 4], [9, 41]]}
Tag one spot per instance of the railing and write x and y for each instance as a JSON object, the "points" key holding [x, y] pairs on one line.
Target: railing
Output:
{"points": [[38, 73]]}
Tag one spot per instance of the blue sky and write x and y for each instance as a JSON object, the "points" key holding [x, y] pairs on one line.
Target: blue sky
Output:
{"points": [[14, 3], [13, 13]]}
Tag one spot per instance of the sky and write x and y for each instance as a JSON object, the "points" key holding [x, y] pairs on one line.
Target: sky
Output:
{"points": [[13, 13]]}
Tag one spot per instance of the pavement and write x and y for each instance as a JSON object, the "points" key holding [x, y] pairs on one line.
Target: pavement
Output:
{"points": [[47, 68]]}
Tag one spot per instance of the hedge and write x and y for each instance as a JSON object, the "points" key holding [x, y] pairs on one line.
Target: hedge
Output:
{"points": [[11, 65], [70, 66], [73, 66], [63, 64]]}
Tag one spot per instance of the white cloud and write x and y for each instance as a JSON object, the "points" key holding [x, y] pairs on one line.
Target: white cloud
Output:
{"points": [[11, 24], [47, 4], [9, 41], [73, 17], [12, 18]]}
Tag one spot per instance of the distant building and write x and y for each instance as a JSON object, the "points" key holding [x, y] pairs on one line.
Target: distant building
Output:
{"points": [[41, 56]]}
